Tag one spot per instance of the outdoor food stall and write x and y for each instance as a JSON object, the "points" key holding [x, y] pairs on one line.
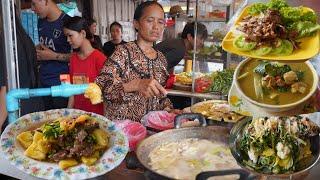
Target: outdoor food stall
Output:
{"points": [[258, 120]]}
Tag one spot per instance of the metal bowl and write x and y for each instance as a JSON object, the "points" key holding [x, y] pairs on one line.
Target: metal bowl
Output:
{"points": [[237, 132]]}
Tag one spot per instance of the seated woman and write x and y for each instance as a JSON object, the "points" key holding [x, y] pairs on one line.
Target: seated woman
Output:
{"points": [[133, 79]]}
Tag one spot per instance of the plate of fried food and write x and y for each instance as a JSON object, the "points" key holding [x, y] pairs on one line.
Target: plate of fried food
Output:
{"points": [[217, 110], [63, 144]]}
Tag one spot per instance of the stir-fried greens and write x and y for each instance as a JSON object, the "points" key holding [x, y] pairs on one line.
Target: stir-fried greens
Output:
{"points": [[276, 145], [221, 81]]}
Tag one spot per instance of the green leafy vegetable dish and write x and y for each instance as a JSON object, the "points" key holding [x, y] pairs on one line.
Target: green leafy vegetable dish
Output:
{"points": [[278, 145], [221, 81], [274, 28]]}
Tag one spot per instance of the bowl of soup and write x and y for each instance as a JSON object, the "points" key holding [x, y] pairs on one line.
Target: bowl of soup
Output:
{"points": [[275, 86]]}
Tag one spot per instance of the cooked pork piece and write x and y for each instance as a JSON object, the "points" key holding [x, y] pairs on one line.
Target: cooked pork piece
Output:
{"points": [[266, 29]]}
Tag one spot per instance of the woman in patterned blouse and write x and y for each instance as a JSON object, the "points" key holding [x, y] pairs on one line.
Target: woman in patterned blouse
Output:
{"points": [[133, 79]]}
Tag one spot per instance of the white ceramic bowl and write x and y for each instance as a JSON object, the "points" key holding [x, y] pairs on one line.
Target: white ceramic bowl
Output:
{"points": [[277, 108]]}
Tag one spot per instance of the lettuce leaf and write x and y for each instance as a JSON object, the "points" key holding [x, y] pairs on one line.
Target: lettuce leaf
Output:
{"points": [[257, 8], [309, 16], [291, 14], [277, 4], [304, 28]]}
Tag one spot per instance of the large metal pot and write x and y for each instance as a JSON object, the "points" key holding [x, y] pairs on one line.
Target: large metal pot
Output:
{"points": [[211, 133]]}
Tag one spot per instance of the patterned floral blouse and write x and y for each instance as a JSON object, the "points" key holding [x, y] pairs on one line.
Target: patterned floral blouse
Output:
{"points": [[128, 62]]}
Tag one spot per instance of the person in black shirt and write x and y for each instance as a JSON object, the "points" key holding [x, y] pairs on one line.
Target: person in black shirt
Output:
{"points": [[176, 49], [96, 41], [116, 36], [28, 73]]}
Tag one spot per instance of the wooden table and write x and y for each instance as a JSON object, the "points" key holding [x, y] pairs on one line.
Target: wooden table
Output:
{"points": [[123, 173]]}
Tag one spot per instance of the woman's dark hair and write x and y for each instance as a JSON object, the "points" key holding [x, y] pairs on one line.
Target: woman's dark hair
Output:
{"points": [[77, 24], [90, 21], [141, 7], [189, 29], [116, 24]]}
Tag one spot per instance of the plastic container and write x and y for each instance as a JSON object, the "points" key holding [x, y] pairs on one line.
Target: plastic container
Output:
{"points": [[134, 131], [160, 120]]}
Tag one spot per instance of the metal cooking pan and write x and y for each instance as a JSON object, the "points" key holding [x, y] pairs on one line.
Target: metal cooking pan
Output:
{"points": [[211, 133], [300, 172]]}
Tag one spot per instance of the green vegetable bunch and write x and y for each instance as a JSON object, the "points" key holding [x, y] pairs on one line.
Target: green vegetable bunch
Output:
{"points": [[222, 81]]}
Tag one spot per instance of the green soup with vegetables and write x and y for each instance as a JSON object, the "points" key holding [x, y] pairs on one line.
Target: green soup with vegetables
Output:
{"points": [[275, 83]]}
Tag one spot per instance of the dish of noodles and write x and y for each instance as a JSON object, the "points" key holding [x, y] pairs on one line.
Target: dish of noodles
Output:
{"points": [[278, 145], [64, 143]]}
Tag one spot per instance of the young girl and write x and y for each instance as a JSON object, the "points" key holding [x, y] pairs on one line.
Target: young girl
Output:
{"points": [[85, 63]]}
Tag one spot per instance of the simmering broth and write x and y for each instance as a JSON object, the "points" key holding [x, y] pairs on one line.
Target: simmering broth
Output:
{"points": [[247, 84]]}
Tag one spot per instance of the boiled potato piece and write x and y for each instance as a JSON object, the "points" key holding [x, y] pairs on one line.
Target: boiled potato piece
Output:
{"points": [[43, 146], [39, 147], [102, 138], [67, 124], [34, 153], [91, 159], [63, 164], [37, 136], [25, 138], [82, 118], [88, 160]]}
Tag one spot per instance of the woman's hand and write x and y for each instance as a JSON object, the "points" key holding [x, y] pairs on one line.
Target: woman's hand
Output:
{"points": [[147, 87]]}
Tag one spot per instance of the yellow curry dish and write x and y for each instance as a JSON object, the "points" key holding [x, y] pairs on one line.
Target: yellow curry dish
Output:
{"points": [[274, 83], [67, 141]]}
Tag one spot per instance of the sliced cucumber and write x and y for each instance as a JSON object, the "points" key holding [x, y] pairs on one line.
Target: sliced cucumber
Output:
{"points": [[261, 51], [240, 43], [279, 49], [287, 49]]}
